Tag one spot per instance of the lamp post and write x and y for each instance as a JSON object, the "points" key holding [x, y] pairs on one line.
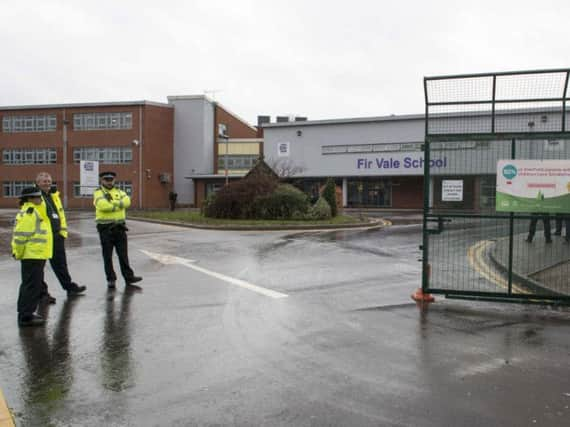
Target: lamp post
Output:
{"points": [[222, 134], [226, 158]]}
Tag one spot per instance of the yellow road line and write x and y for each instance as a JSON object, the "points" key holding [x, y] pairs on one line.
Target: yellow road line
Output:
{"points": [[6, 419], [477, 262]]}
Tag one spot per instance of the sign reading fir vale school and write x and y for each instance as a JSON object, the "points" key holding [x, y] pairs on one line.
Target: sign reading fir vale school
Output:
{"points": [[533, 186]]}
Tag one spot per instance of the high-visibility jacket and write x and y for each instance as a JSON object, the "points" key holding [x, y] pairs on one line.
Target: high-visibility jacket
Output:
{"points": [[60, 212], [32, 237], [110, 211]]}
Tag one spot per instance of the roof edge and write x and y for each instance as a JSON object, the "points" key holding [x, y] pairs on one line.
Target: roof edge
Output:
{"points": [[346, 121], [84, 105]]}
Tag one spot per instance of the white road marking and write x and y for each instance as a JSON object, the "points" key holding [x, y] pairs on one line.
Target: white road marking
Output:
{"points": [[171, 259]]}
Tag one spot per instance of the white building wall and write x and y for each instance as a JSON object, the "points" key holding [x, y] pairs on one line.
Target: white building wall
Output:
{"points": [[193, 142]]}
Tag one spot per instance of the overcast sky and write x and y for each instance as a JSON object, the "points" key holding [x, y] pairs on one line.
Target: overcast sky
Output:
{"points": [[316, 58]]}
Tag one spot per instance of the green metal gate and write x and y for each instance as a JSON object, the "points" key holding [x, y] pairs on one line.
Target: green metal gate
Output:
{"points": [[470, 248]]}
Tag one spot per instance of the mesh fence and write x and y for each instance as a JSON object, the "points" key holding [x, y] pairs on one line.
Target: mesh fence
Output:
{"points": [[482, 105], [469, 247]]}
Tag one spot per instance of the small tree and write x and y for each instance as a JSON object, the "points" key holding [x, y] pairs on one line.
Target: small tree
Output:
{"points": [[329, 194], [285, 167]]}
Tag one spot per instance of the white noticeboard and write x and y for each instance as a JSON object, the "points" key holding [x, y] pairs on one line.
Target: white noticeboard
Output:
{"points": [[452, 190], [89, 177], [283, 149]]}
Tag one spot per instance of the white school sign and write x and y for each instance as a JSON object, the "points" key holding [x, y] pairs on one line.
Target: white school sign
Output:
{"points": [[89, 177]]}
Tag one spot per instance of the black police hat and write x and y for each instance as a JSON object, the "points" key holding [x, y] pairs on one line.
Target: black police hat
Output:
{"points": [[107, 175], [30, 192]]}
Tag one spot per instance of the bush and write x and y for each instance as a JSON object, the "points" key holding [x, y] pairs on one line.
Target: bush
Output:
{"points": [[320, 210], [329, 194], [285, 202], [236, 200]]}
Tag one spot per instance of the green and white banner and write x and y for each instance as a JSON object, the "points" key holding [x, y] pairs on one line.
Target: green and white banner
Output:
{"points": [[533, 186]]}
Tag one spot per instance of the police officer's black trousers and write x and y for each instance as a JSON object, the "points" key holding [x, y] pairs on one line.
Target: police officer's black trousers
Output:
{"points": [[31, 287], [532, 227], [59, 262], [115, 236]]}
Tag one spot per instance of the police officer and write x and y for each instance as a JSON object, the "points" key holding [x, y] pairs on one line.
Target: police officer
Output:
{"points": [[110, 214], [53, 209], [32, 245]]}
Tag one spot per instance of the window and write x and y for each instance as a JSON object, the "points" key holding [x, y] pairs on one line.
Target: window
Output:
{"points": [[6, 124], [236, 162], [369, 192], [29, 157], [36, 123], [106, 155], [14, 188], [213, 187], [98, 121], [487, 191], [126, 186], [77, 192]]}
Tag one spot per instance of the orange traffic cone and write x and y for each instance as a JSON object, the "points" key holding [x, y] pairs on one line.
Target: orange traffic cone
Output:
{"points": [[419, 296]]}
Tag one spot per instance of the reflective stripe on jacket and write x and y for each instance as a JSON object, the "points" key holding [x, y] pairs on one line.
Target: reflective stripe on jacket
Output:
{"points": [[32, 237], [60, 212], [108, 212]]}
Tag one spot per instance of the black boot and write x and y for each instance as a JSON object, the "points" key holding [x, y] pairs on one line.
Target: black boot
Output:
{"points": [[30, 320]]}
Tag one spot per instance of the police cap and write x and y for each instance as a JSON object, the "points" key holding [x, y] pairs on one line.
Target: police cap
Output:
{"points": [[107, 175], [30, 192]]}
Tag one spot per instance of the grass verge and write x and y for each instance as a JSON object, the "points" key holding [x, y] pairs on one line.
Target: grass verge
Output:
{"points": [[197, 218]]}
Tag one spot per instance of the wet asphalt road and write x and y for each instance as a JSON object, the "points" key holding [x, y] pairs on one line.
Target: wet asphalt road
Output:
{"points": [[346, 347]]}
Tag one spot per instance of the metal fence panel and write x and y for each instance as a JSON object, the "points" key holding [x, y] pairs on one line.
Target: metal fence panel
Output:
{"points": [[469, 248]]}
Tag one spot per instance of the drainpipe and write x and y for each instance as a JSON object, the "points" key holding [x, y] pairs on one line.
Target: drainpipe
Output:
{"points": [[140, 156]]}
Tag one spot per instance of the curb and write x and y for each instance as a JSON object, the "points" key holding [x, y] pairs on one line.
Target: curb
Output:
{"points": [[6, 419], [523, 280], [380, 223]]}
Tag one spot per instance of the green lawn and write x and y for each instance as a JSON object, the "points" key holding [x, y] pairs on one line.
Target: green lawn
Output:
{"points": [[194, 217]]}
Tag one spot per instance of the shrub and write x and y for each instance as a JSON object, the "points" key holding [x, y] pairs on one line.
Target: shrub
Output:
{"points": [[285, 202], [329, 194], [236, 200], [320, 210]]}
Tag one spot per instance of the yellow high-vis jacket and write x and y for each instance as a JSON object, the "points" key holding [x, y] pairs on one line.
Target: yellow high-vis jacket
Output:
{"points": [[110, 211], [32, 237], [60, 212]]}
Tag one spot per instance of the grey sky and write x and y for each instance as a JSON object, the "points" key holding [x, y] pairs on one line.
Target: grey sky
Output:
{"points": [[321, 59]]}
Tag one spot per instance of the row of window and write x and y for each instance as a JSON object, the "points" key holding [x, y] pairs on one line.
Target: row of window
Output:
{"points": [[40, 156], [98, 121], [14, 188], [109, 155], [81, 121], [404, 146], [37, 123], [237, 161]]}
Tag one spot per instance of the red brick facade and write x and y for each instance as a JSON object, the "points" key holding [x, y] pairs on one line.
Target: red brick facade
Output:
{"points": [[152, 127], [407, 192]]}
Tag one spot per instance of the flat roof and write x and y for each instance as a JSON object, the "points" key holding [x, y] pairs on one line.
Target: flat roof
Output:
{"points": [[391, 117], [84, 105]]}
